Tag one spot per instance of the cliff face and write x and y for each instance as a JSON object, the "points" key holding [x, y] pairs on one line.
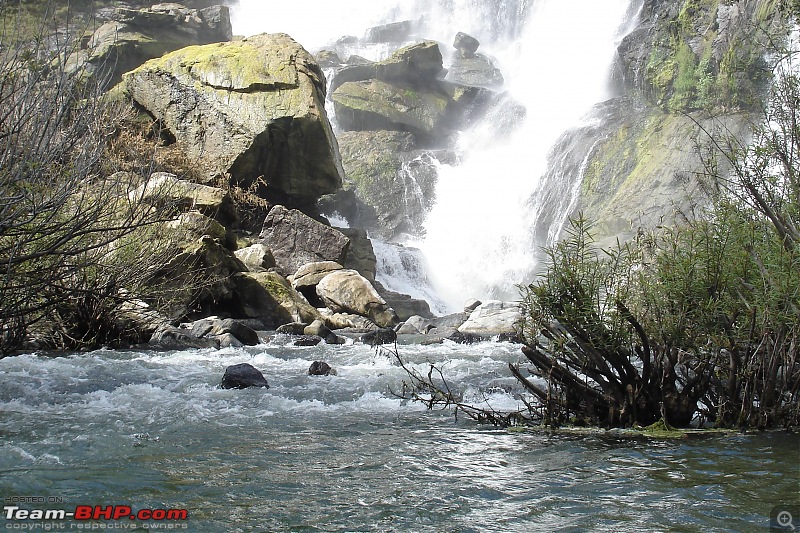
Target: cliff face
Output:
{"points": [[687, 64]]}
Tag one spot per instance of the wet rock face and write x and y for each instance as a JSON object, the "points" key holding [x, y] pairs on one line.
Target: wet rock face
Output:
{"points": [[251, 109], [391, 183]]}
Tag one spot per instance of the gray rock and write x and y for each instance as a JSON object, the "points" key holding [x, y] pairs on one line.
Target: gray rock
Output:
{"points": [[257, 257], [163, 188], [393, 32], [418, 65], [439, 335], [292, 328], [310, 274], [243, 333], [135, 36], [253, 109], [268, 297], [349, 321], [296, 239], [348, 291], [171, 338], [328, 59], [379, 336], [466, 44], [471, 304], [226, 340], [306, 340], [378, 105], [475, 71], [216, 327], [321, 368], [454, 320], [415, 325], [493, 318], [360, 255], [243, 376], [319, 329], [404, 305]]}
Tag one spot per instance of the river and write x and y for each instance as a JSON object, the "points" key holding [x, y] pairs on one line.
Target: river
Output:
{"points": [[341, 453]]}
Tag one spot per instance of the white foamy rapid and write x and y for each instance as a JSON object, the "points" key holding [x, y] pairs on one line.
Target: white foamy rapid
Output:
{"points": [[555, 56]]}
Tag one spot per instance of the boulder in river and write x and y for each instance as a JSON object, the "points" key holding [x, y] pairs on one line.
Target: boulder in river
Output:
{"points": [[349, 292], [493, 318], [268, 297], [169, 337], [243, 376], [216, 327], [321, 368], [379, 336]]}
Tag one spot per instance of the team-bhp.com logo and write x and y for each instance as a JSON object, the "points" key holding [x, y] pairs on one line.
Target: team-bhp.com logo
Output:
{"points": [[96, 512]]}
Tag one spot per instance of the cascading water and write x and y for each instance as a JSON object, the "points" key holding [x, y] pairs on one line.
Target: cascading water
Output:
{"points": [[494, 210], [482, 236]]}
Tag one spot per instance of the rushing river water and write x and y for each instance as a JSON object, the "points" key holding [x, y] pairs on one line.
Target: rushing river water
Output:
{"points": [[341, 453]]}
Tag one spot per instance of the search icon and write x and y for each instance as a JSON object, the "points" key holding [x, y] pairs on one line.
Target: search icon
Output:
{"points": [[785, 520]]}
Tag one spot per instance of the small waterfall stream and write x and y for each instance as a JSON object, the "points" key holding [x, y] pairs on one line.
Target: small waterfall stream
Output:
{"points": [[499, 204]]}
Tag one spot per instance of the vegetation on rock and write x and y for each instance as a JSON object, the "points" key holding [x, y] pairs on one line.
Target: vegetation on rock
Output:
{"points": [[78, 245]]}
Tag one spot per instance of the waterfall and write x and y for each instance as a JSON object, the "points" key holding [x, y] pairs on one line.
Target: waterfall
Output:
{"points": [[499, 205], [482, 235]]}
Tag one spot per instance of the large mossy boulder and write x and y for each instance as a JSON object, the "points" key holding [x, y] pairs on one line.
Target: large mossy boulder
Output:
{"points": [[134, 36], [407, 92], [253, 109], [296, 239], [377, 105]]}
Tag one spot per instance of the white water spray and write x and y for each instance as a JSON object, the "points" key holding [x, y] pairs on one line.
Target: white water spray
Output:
{"points": [[556, 58], [480, 240]]}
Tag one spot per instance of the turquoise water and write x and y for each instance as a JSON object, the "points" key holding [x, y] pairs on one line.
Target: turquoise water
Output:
{"points": [[341, 453]]}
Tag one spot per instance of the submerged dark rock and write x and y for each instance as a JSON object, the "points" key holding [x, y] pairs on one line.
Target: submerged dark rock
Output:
{"points": [[243, 376], [379, 336], [321, 368]]}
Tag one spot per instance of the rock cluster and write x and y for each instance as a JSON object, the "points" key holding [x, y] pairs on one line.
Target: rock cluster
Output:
{"points": [[493, 319], [252, 111], [399, 116]]}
